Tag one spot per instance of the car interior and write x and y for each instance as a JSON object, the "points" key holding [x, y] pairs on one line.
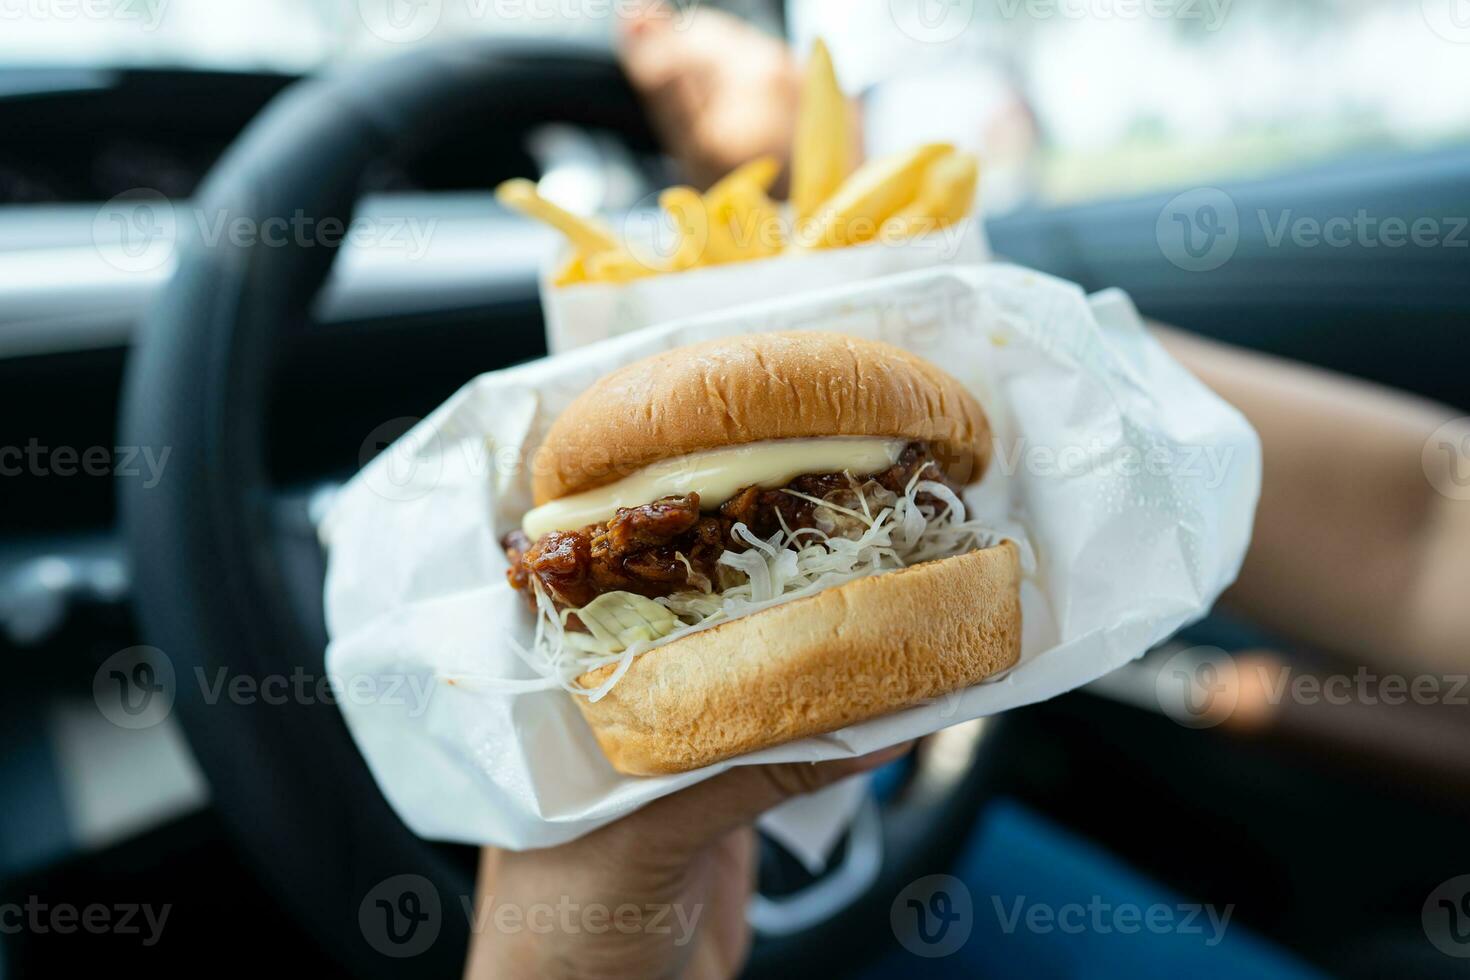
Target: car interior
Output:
{"points": [[270, 376]]}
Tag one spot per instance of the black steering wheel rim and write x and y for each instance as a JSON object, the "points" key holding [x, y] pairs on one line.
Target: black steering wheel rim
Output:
{"points": [[213, 583]]}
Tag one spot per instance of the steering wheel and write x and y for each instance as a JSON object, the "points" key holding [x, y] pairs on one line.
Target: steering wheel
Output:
{"points": [[229, 581]]}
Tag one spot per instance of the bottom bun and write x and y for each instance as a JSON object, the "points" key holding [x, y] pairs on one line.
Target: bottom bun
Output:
{"points": [[812, 665]]}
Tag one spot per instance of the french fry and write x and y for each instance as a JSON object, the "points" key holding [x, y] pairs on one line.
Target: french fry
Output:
{"points": [[618, 266], [703, 240], [872, 195], [739, 203], [588, 237], [753, 221], [833, 204], [572, 273], [759, 173], [946, 195], [822, 154], [686, 208]]}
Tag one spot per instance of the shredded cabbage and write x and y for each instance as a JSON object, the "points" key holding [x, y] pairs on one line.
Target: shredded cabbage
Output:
{"points": [[617, 620], [861, 531]]}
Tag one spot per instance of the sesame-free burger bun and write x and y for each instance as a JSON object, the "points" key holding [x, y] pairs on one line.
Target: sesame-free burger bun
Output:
{"points": [[755, 387], [813, 665]]}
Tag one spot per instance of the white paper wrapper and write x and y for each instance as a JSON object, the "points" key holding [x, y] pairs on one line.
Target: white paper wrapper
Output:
{"points": [[1134, 485], [580, 315]]}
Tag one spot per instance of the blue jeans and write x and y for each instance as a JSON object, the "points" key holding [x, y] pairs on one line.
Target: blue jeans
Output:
{"points": [[1038, 901]]}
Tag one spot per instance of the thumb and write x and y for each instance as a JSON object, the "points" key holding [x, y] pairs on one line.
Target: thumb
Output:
{"points": [[707, 811]]}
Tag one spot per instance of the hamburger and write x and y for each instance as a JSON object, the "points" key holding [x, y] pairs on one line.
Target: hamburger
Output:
{"points": [[758, 539]]}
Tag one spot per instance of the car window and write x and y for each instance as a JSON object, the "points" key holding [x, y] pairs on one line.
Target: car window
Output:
{"points": [[291, 35], [295, 35], [1072, 100]]}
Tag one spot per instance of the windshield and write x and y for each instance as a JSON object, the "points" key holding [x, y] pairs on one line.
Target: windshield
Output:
{"points": [[288, 35], [1067, 100], [1079, 99]]}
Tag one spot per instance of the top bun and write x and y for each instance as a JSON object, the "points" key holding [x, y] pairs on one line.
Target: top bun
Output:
{"points": [[751, 388]]}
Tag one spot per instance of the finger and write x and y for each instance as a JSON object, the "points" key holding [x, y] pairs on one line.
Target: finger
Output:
{"points": [[711, 809]]}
